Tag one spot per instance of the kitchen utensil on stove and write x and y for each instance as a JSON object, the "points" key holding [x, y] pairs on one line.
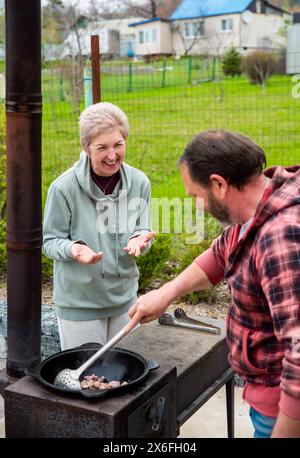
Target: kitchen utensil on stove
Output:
{"points": [[69, 378], [183, 321], [180, 313]]}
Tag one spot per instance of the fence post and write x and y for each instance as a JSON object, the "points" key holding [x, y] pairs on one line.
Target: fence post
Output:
{"points": [[190, 66], [88, 96], [95, 58], [61, 87], [164, 73], [214, 69], [130, 77]]}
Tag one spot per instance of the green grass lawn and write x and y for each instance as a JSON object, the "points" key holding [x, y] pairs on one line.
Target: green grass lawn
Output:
{"points": [[164, 119], [165, 111]]}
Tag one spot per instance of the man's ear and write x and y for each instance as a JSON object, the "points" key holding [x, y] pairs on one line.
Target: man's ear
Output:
{"points": [[218, 186]]}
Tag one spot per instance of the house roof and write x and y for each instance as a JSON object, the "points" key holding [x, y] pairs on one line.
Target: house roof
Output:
{"points": [[189, 9], [147, 21]]}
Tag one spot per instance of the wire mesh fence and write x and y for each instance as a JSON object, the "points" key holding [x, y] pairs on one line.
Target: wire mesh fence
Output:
{"points": [[167, 102]]}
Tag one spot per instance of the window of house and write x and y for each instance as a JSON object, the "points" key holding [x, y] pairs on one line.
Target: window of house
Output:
{"points": [[153, 35], [258, 7], [227, 25], [193, 29], [276, 25], [147, 36]]}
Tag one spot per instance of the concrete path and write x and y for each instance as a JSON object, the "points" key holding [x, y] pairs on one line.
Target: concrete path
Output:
{"points": [[209, 421]]}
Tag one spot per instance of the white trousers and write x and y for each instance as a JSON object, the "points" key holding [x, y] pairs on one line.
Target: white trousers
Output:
{"points": [[74, 333]]}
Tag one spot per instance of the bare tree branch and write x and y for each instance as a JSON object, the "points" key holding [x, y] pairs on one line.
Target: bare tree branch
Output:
{"points": [[147, 9]]}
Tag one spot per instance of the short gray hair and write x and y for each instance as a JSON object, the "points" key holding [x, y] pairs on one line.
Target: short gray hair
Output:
{"points": [[97, 118]]}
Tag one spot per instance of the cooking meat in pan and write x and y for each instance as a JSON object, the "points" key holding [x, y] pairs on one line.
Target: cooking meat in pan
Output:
{"points": [[93, 382]]}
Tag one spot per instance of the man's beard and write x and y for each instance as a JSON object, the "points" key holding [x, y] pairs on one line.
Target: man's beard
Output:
{"points": [[217, 210]]}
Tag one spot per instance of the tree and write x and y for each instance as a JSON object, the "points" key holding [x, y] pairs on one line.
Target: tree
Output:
{"points": [[62, 19], [259, 66], [197, 34], [147, 8], [231, 63]]}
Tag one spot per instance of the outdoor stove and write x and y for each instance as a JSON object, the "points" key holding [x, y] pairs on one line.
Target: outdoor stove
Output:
{"points": [[193, 366]]}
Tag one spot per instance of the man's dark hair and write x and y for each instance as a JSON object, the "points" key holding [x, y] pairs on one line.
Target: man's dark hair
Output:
{"points": [[233, 156]]}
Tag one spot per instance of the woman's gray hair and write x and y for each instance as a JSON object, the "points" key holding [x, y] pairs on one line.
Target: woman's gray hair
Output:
{"points": [[97, 118]]}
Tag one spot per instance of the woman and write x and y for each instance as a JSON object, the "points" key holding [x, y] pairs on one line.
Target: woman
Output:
{"points": [[97, 219]]}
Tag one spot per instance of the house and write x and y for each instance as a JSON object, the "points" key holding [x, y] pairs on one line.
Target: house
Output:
{"points": [[116, 39], [211, 27], [293, 54]]}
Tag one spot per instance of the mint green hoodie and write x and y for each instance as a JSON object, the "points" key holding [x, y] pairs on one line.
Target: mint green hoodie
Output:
{"points": [[76, 210]]}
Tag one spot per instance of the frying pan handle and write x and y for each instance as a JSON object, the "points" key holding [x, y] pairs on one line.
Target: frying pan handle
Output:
{"points": [[152, 364]]}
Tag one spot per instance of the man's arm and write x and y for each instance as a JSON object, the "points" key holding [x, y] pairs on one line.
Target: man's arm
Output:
{"points": [[150, 306]]}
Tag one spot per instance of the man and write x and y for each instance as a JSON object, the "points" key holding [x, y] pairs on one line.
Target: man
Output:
{"points": [[258, 254]]}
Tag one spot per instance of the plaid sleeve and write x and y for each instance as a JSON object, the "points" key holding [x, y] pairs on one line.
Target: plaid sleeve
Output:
{"points": [[213, 261], [278, 261]]}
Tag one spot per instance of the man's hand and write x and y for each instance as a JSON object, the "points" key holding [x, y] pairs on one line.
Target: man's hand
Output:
{"points": [[138, 244], [150, 306], [85, 255]]}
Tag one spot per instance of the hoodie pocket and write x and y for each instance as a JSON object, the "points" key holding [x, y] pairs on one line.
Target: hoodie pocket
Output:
{"points": [[248, 365]]}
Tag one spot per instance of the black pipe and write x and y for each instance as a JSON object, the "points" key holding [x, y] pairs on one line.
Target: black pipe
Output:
{"points": [[24, 215]]}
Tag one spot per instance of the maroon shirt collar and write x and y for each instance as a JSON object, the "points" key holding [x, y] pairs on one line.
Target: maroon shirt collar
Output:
{"points": [[106, 184]]}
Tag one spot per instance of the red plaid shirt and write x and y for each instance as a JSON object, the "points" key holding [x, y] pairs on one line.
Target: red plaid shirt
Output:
{"points": [[263, 274]]}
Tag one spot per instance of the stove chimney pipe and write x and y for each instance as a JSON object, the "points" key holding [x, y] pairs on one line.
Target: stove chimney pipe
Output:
{"points": [[24, 215]]}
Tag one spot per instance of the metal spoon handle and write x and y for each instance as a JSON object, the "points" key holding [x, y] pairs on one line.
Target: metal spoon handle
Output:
{"points": [[77, 372]]}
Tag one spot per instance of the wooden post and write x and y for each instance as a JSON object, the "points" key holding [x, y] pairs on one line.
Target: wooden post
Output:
{"points": [[95, 58]]}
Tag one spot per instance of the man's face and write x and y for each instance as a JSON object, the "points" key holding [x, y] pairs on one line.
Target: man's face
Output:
{"points": [[211, 203], [107, 152]]}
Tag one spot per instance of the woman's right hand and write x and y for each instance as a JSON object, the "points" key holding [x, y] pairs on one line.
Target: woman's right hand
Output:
{"points": [[84, 254]]}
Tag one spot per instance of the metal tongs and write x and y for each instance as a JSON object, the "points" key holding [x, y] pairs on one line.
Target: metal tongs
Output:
{"points": [[181, 320]]}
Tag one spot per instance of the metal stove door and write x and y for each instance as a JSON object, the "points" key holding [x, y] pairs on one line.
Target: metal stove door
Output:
{"points": [[155, 418]]}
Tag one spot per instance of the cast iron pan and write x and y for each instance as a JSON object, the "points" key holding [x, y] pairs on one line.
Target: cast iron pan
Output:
{"points": [[117, 364]]}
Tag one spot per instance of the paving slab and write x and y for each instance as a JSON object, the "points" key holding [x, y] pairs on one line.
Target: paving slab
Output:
{"points": [[210, 420]]}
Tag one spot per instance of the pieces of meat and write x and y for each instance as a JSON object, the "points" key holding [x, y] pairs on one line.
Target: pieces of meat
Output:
{"points": [[92, 382]]}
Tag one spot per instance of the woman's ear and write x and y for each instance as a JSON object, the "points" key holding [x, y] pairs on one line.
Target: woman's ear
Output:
{"points": [[218, 186]]}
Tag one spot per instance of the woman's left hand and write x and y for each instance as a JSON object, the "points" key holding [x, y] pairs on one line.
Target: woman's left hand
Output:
{"points": [[138, 244]]}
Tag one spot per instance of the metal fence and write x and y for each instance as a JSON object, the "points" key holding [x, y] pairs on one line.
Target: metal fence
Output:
{"points": [[167, 102]]}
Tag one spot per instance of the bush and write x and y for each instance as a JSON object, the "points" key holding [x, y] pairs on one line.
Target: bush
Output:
{"points": [[259, 66], [152, 264], [231, 63], [167, 258], [47, 268], [184, 258]]}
